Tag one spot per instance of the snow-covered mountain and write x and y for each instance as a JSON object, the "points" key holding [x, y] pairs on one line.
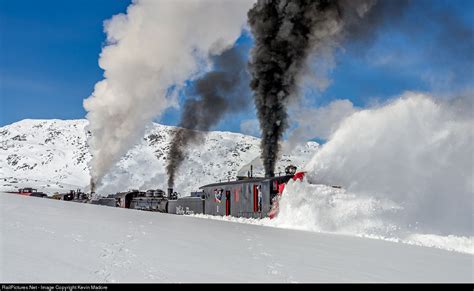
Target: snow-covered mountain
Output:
{"points": [[53, 155]]}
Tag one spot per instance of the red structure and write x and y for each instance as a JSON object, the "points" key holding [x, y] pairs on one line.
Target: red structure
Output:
{"points": [[29, 192]]}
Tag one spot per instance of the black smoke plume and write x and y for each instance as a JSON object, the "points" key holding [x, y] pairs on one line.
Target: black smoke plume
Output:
{"points": [[283, 33], [223, 90], [286, 33]]}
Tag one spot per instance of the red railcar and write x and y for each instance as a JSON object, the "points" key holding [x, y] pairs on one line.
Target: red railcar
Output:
{"points": [[29, 192]]}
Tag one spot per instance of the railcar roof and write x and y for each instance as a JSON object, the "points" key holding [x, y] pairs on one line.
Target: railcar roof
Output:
{"points": [[246, 181]]}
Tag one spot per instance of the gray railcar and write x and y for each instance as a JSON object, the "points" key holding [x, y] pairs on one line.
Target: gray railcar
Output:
{"points": [[247, 197]]}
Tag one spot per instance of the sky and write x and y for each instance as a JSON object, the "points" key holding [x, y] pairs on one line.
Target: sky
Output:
{"points": [[49, 56], [50, 50]]}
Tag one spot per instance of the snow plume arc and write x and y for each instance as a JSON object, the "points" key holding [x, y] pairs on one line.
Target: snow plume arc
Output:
{"points": [[415, 152], [222, 90], [149, 50], [286, 33]]}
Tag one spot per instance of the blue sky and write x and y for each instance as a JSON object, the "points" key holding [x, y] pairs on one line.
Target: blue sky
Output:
{"points": [[50, 48], [49, 53]]}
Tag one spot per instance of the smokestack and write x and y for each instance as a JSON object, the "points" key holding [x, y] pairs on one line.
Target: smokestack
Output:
{"points": [[170, 192], [92, 186]]}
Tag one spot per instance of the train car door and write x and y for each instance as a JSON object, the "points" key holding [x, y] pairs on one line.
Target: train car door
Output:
{"points": [[128, 200], [255, 198], [227, 203]]}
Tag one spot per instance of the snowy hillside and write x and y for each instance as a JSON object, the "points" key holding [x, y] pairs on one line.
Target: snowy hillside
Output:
{"points": [[57, 241], [53, 155], [46, 153]]}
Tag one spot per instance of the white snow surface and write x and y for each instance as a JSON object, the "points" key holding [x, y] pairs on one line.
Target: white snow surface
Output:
{"points": [[45, 240]]}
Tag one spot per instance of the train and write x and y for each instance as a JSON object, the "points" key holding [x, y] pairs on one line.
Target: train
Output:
{"points": [[246, 196]]}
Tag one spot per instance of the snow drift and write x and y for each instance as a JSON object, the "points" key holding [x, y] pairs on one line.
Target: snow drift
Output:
{"points": [[407, 171]]}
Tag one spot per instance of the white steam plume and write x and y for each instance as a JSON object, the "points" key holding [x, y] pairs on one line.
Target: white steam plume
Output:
{"points": [[415, 152], [156, 45]]}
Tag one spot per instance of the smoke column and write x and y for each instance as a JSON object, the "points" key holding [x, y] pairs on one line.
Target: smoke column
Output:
{"points": [[286, 33], [155, 46], [223, 90]]}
